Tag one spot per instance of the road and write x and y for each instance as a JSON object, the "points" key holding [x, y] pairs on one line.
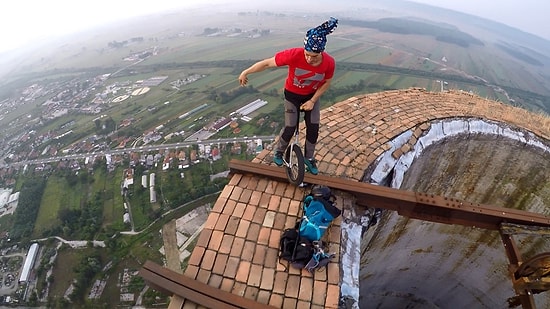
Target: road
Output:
{"points": [[146, 148], [76, 243]]}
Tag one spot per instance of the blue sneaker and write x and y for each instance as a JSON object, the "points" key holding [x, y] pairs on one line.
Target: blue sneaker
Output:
{"points": [[311, 166], [278, 158]]}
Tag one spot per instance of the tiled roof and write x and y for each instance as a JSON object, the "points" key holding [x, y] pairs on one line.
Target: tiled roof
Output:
{"points": [[238, 248]]}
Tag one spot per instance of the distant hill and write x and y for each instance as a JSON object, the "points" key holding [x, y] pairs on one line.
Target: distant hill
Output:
{"points": [[408, 26]]}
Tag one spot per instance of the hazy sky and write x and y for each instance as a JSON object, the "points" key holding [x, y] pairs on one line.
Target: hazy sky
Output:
{"points": [[22, 21], [528, 15]]}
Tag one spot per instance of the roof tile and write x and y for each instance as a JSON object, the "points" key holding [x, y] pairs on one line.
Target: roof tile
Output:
{"points": [[231, 267], [237, 247], [259, 215], [227, 190], [272, 257], [303, 305], [242, 230], [232, 225], [211, 221], [249, 212], [236, 193], [333, 273], [215, 240], [268, 276], [332, 296], [263, 297], [229, 207], [283, 207], [234, 180], [255, 275], [321, 274], [239, 288], [269, 219], [270, 187], [215, 281], [227, 284], [319, 292], [196, 256], [239, 209], [253, 231], [227, 242], [274, 202], [219, 264], [222, 222], [203, 276], [289, 302], [254, 199], [276, 300], [279, 285], [191, 271], [263, 235], [274, 238], [248, 251], [208, 260], [306, 289], [259, 255], [280, 221], [243, 271], [219, 205], [246, 197], [261, 184], [251, 292], [294, 206]]}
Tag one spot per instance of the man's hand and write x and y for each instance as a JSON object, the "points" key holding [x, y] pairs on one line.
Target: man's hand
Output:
{"points": [[255, 68], [243, 79], [307, 106]]}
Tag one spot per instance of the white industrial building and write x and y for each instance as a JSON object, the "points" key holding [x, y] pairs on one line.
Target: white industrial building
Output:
{"points": [[152, 192], [144, 181], [4, 196], [29, 262]]}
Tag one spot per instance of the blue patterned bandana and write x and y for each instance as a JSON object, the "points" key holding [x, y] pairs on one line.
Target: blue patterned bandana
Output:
{"points": [[316, 38]]}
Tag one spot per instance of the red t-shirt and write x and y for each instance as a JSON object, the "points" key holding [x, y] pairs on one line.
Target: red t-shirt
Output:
{"points": [[302, 77]]}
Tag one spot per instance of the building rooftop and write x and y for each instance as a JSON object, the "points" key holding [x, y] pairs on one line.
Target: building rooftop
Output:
{"points": [[237, 250]]}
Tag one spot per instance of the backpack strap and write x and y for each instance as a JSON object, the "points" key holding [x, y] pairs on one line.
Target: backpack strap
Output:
{"points": [[319, 259]]}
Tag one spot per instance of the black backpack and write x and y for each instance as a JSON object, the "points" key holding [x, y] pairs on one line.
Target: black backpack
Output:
{"points": [[296, 250]]}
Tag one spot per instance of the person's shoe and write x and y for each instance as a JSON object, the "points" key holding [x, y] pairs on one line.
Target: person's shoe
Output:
{"points": [[311, 166], [278, 158]]}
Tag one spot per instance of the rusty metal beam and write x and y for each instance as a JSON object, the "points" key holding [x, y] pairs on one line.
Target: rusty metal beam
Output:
{"points": [[169, 282], [407, 203], [515, 229], [524, 296]]}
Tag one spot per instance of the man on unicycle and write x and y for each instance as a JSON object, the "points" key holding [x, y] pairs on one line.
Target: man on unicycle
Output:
{"points": [[310, 70]]}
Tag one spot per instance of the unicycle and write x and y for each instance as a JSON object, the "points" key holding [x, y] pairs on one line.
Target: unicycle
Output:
{"points": [[294, 159]]}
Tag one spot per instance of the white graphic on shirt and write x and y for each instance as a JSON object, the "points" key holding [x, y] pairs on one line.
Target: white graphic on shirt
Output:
{"points": [[304, 78]]}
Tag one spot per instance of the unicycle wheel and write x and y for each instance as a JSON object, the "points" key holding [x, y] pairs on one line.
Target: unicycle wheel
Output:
{"points": [[295, 167]]}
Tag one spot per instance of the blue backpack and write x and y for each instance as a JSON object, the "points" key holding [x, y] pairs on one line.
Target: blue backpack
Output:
{"points": [[319, 211]]}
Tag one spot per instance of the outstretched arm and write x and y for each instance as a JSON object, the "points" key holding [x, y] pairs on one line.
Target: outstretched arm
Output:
{"points": [[257, 67]]}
